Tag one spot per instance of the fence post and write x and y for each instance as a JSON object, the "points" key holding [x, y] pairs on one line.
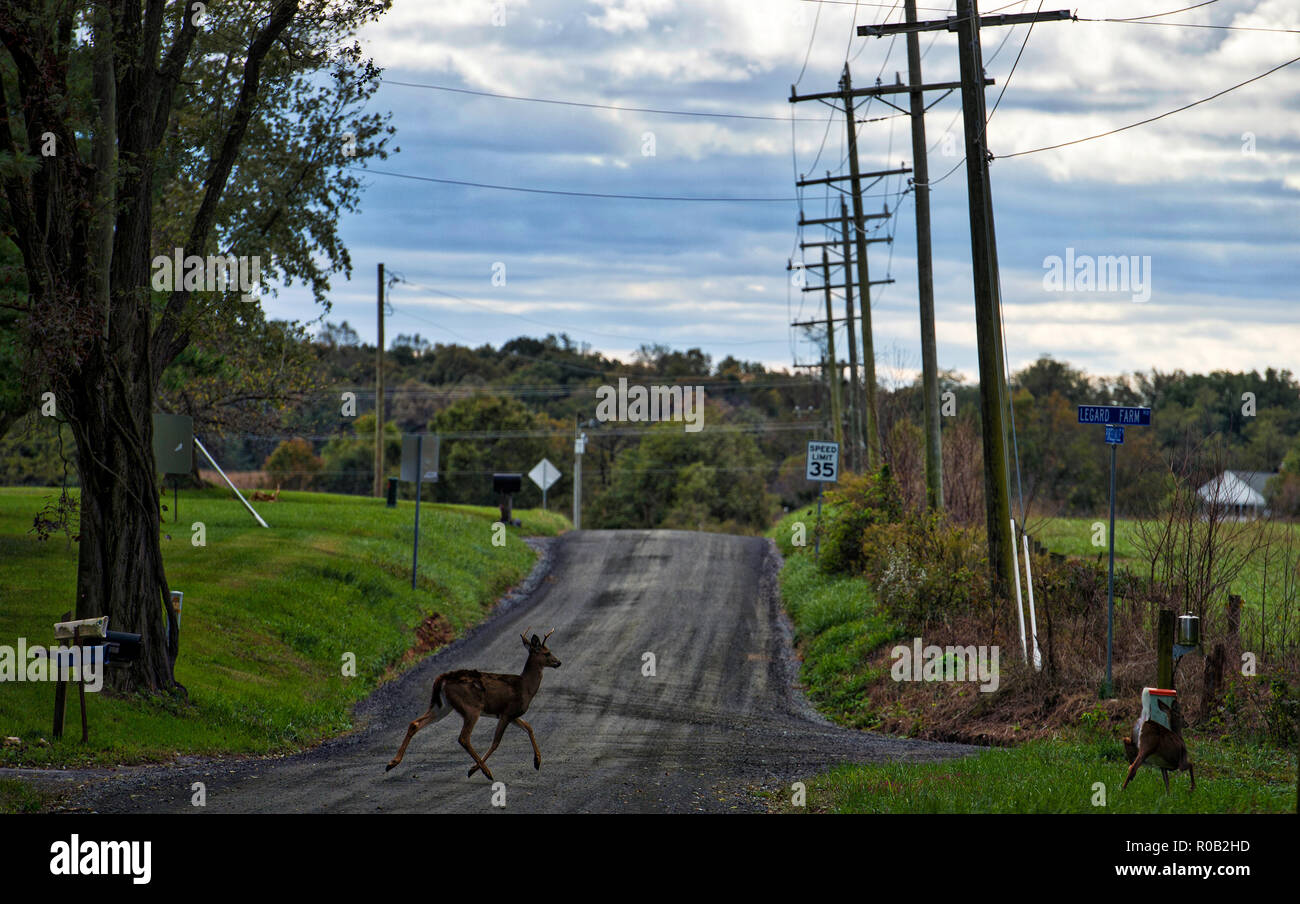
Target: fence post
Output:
{"points": [[1165, 650]]}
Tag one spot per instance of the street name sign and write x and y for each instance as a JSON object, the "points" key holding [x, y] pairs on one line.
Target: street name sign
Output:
{"points": [[1115, 414]]}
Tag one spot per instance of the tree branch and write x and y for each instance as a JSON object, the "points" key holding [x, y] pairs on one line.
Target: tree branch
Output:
{"points": [[169, 339]]}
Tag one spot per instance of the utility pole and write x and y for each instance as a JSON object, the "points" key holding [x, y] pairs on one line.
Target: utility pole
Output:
{"points": [[832, 363], [924, 271], [988, 315], [379, 393], [859, 426], [988, 308], [857, 413], [579, 448], [872, 427]]}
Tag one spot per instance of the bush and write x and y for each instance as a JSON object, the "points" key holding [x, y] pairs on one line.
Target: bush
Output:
{"points": [[925, 568], [292, 465], [861, 501]]}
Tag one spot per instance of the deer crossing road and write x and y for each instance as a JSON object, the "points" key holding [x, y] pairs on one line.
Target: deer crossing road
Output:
{"points": [[719, 716]]}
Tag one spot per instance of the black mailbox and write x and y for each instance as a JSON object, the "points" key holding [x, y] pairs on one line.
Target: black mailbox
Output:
{"points": [[507, 483], [123, 647]]}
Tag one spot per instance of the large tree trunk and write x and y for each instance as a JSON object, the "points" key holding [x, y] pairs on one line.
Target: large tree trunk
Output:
{"points": [[119, 569]]}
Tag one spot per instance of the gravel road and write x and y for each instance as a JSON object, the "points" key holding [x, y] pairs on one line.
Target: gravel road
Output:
{"points": [[719, 719]]}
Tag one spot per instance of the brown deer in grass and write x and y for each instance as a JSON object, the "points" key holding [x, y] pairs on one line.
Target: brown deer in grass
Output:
{"points": [[472, 694], [1157, 746]]}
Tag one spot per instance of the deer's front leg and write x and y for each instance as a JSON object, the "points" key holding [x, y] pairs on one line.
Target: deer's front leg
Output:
{"points": [[466, 730], [502, 722], [537, 754]]}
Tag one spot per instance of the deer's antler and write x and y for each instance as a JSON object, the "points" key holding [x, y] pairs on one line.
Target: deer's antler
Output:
{"points": [[548, 636], [525, 634]]}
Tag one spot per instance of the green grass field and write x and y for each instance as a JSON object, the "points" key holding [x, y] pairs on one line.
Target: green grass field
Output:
{"points": [[1255, 584], [268, 618], [1059, 776]]}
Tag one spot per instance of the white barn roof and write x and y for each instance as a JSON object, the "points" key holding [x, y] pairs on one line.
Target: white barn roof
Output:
{"points": [[1237, 488]]}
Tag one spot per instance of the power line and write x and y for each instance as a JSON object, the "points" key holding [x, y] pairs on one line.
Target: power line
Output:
{"points": [[591, 105], [574, 194], [566, 432], [1158, 15], [1280, 31], [1143, 122], [808, 53], [1007, 82], [890, 6]]}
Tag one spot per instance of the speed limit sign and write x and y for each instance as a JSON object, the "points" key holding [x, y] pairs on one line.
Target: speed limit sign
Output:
{"points": [[823, 462]]}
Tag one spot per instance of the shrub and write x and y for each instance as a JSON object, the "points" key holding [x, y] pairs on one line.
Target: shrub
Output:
{"points": [[925, 568], [292, 465], [861, 501]]}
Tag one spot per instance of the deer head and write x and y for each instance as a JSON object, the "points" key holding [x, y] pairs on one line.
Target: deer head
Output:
{"points": [[537, 647]]}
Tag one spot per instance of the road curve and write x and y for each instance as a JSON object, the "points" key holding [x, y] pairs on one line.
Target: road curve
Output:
{"points": [[718, 719]]}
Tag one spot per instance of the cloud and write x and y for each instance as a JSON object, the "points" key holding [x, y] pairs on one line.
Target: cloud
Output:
{"points": [[1210, 194]]}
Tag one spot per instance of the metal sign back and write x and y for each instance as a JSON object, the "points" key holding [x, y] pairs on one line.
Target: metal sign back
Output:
{"points": [[173, 443], [413, 470], [544, 474]]}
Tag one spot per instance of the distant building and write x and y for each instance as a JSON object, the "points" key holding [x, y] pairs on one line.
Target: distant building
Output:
{"points": [[1241, 493]]}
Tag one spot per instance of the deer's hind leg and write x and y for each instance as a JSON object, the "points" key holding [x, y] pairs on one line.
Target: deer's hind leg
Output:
{"points": [[1132, 770], [433, 715], [502, 722]]}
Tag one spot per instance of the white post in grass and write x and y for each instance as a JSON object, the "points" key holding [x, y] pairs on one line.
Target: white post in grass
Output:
{"points": [[1033, 621], [1020, 606], [214, 464]]}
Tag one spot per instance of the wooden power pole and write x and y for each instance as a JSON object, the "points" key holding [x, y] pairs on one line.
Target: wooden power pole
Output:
{"points": [[924, 271], [858, 422], [379, 393], [988, 306], [832, 363], [872, 426]]}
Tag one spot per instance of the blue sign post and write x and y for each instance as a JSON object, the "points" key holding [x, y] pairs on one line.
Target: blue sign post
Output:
{"points": [[1115, 418]]}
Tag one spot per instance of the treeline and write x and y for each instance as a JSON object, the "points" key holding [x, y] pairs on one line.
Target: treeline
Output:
{"points": [[299, 409]]}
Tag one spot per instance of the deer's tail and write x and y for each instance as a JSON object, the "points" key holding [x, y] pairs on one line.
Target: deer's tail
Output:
{"points": [[436, 702]]}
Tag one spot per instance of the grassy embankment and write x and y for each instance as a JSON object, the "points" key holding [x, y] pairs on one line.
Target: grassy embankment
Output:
{"points": [[268, 618], [838, 628]]}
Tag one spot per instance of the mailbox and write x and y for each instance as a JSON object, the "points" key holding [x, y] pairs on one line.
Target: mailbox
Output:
{"points": [[507, 483], [123, 647]]}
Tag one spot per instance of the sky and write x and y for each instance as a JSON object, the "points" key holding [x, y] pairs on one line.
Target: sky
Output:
{"points": [[1203, 204]]}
